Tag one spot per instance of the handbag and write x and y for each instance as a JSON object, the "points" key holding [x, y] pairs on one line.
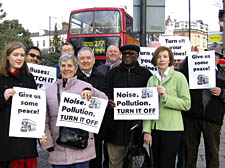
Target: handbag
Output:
{"points": [[137, 155], [73, 138]]}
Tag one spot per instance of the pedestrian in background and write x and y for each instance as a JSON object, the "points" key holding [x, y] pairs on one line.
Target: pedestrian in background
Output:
{"points": [[128, 74], [33, 55], [66, 48], [59, 156], [113, 55], [15, 152], [205, 117], [164, 134]]}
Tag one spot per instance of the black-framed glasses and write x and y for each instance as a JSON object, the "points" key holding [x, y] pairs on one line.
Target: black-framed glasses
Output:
{"points": [[34, 55], [132, 53]]}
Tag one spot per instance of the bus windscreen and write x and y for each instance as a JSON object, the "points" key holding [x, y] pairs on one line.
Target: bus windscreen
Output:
{"points": [[95, 22]]}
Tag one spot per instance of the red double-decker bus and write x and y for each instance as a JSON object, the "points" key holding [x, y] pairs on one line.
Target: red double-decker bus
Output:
{"points": [[99, 28]]}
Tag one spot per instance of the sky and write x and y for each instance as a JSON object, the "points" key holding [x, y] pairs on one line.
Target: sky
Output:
{"points": [[34, 14]]}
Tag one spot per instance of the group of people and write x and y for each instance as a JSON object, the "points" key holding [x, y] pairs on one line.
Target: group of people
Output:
{"points": [[184, 113]]}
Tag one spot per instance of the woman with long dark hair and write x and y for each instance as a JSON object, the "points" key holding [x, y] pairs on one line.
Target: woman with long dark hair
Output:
{"points": [[15, 151]]}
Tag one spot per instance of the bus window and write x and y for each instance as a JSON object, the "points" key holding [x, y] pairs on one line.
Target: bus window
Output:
{"points": [[95, 22], [98, 28]]}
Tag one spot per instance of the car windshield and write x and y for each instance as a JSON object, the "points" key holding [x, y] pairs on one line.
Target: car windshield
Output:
{"points": [[95, 22]]}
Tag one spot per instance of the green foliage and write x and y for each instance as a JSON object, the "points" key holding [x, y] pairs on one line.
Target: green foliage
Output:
{"points": [[50, 59], [56, 41], [11, 30]]}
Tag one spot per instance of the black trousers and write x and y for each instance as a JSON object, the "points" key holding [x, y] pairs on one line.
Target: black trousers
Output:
{"points": [[97, 162], [4, 164], [211, 135], [165, 146]]}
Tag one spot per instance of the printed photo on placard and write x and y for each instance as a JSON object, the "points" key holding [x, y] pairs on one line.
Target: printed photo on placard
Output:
{"points": [[201, 67], [136, 103], [28, 113]]}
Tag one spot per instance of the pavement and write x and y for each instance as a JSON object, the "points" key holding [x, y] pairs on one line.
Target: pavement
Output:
{"points": [[43, 154]]}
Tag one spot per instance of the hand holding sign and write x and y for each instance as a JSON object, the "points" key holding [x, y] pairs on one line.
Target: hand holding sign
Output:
{"points": [[162, 91], [86, 94], [215, 91], [8, 93]]}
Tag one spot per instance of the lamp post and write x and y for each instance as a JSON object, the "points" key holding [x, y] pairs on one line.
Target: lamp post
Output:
{"points": [[189, 13], [49, 32]]}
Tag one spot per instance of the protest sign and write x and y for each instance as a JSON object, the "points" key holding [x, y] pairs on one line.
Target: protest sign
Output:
{"points": [[201, 67], [145, 58], [28, 113], [136, 103], [76, 112], [43, 75], [179, 45]]}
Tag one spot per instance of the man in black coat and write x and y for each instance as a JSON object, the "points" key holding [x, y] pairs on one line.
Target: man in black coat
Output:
{"points": [[206, 117], [127, 75], [88, 73]]}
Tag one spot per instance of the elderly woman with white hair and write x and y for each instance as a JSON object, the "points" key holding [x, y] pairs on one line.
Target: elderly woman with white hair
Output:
{"points": [[59, 156]]}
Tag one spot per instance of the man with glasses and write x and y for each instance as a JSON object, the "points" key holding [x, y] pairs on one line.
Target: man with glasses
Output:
{"points": [[33, 55], [117, 132]]}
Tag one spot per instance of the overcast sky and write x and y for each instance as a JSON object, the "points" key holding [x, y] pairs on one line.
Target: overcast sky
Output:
{"points": [[34, 14]]}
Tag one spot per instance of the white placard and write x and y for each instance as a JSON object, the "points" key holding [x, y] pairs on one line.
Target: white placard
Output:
{"points": [[76, 112], [201, 67], [180, 45], [145, 58], [28, 113], [43, 75], [136, 103]]}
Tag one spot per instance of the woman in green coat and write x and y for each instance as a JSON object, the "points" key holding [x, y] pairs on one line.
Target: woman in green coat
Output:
{"points": [[164, 134]]}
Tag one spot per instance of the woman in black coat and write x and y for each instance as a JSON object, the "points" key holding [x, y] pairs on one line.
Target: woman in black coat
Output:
{"points": [[14, 72]]}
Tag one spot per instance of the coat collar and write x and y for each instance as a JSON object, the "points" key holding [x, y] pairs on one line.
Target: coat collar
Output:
{"points": [[167, 77]]}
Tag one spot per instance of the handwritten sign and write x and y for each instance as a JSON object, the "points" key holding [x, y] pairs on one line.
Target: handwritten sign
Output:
{"points": [[43, 75], [28, 113], [201, 67], [136, 103], [76, 112]]}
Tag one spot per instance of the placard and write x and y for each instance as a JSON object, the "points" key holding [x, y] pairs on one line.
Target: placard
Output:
{"points": [[201, 67], [76, 112], [145, 58], [180, 45], [43, 75], [28, 113], [136, 103]]}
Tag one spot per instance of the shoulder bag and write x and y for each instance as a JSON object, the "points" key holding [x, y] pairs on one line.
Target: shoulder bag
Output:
{"points": [[73, 138]]}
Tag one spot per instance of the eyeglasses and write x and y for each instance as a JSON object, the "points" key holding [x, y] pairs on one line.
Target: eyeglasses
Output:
{"points": [[34, 55], [129, 53]]}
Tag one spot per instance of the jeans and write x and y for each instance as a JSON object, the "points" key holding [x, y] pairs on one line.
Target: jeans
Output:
{"points": [[76, 165]]}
